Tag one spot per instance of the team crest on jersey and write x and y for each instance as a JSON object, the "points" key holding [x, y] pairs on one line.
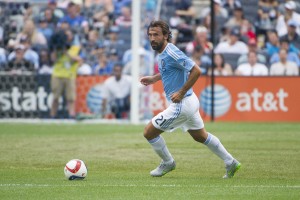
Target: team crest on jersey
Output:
{"points": [[163, 65]]}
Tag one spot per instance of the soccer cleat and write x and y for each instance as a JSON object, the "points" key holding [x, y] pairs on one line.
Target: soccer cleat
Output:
{"points": [[163, 168], [232, 169]]}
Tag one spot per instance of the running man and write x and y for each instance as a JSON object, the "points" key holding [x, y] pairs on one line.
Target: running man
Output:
{"points": [[178, 74]]}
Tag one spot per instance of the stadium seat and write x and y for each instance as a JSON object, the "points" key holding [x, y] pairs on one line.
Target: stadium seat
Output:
{"points": [[232, 59]]}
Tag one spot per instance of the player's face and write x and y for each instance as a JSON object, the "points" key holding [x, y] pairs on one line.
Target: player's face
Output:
{"points": [[157, 39]]}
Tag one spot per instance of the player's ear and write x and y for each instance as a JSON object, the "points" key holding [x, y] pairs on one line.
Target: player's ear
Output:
{"points": [[166, 37]]}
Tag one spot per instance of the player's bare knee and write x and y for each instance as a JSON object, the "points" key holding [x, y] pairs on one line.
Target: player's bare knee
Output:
{"points": [[199, 135]]}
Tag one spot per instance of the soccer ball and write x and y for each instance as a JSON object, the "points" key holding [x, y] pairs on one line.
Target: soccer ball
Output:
{"points": [[75, 170]]}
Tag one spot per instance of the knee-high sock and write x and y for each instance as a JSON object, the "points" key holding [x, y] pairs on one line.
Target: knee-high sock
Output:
{"points": [[159, 146], [214, 144]]}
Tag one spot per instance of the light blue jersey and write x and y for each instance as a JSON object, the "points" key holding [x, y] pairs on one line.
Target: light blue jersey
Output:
{"points": [[174, 67]]}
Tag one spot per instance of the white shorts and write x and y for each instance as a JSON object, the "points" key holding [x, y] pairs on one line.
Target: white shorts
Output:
{"points": [[183, 115]]}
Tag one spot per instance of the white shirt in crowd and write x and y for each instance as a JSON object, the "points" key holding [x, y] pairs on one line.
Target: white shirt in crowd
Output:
{"points": [[114, 89], [238, 48], [248, 70], [287, 69], [281, 26]]}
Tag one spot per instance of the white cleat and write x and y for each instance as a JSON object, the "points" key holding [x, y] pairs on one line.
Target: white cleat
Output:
{"points": [[232, 169], [163, 168]]}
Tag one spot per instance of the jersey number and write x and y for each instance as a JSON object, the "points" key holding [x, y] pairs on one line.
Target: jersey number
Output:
{"points": [[160, 121]]}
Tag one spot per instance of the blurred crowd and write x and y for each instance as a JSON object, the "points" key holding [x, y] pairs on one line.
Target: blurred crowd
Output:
{"points": [[251, 38], [100, 28]]}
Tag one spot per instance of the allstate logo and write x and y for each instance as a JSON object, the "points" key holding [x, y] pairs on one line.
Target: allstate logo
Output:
{"points": [[222, 101], [94, 99]]}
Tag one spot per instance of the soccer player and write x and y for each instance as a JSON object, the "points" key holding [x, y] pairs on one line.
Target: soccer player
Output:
{"points": [[178, 74]]}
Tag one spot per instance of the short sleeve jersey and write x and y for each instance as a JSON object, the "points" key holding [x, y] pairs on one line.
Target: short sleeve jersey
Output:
{"points": [[174, 67]]}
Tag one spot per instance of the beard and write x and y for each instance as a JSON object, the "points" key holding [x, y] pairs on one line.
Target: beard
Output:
{"points": [[157, 46]]}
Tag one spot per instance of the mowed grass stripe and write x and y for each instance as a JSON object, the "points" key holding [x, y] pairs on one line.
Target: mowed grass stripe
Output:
{"points": [[119, 160]]}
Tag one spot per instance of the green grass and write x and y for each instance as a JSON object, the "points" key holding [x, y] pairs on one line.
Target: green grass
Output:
{"points": [[32, 158]]}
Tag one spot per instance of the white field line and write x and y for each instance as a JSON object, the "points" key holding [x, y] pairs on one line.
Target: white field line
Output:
{"points": [[69, 121], [150, 185]]}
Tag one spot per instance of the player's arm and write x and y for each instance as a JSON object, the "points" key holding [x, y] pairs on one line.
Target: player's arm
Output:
{"points": [[148, 80], [193, 77]]}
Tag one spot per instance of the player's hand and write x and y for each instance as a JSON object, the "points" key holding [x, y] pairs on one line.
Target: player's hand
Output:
{"points": [[177, 97], [147, 80]]}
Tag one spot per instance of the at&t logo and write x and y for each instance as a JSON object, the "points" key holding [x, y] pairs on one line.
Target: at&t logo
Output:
{"points": [[222, 100]]}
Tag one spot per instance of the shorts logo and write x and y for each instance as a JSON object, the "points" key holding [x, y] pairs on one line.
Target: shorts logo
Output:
{"points": [[222, 100]]}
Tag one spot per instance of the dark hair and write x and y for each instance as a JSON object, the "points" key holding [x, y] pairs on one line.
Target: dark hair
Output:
{"points": [[164, 27], [58, 41], [223, 60], [118, 64]]}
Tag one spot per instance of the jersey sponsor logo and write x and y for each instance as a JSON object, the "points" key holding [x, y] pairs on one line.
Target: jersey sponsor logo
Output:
{"points": [[163, 65]]}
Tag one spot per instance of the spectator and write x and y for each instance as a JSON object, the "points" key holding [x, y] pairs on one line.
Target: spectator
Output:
{"points": [[290, 14], [237, 19], [200, 40], [30, 55], [221, 68], [146, 68], [284, 67], [293, 53], [180, 20], [119, 4], [272, 44], [185, 10], [252, 46], [267, 14], [219, 10], [103, 67], [54, 11], [233, 45], [90, 48], [292, 36], [247, 31], [252, 68], [229, 5], [206, 22], [44, 28], [281, 7], [66, 62], [114, 42], [116, 94], [50, 18], [74, 18], [184, 13], [125, 18], [45, 65], [107, 4], [19, 65], [201, 59], [36, 38], [64, 26], [3, 59], [101, 21], [127, 57], [72, 38], [63, 4]]}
